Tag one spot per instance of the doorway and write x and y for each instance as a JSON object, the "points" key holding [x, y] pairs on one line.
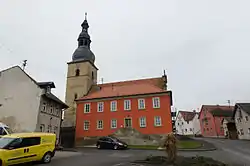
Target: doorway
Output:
{"points": [[128, 122]]}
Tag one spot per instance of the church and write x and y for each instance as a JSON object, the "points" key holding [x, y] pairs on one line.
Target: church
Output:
{"points": [[102, 109]]}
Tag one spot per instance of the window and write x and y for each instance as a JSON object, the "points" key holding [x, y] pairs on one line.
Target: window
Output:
{"points": [[142, 122], [42, 127], [75, 96], [77, 72], [187, 122], [49, 129], [99, 124], [80, 42], [86, 125], [51, 108], [190, 129], [87, 108], [157, 121], [241, 132], [141, 103], [186, 130], [100, 106], [156, 102], [113, 105], [113, 123], [31, 141], [248, 130], [92, 75], [246, 118], [44, 107], [127, 104], [85, 42]]}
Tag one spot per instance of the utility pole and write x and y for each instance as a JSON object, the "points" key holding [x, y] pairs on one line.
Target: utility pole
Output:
{"points": [[24, 64]]}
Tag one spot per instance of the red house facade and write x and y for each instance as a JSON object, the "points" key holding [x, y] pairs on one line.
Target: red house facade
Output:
{"points": [[140, 104], [211, 117]]}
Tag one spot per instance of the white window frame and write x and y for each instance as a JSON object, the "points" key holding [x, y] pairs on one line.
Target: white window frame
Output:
{"points": [[112, 124], [84, 125], [97, 124], [141, 104], [113, 106], [143, 122], [85, 108], [156, 120], [155, 104], [127, 104], [100, 106]]}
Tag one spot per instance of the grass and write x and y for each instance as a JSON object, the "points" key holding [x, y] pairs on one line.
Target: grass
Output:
{"points": [[180, 145], [188, 144]]}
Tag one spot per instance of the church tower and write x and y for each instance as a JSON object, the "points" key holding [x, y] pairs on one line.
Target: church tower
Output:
{"points": [[82, 74]]}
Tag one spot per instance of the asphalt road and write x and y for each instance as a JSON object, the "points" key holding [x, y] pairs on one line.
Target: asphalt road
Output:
{"points": [[233, 152]]}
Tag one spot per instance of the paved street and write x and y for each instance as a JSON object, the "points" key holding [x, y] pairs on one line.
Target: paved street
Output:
{"points": [[237, 154]]}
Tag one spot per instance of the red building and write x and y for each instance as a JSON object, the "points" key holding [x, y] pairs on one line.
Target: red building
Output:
{"points": [[143, 104], [211, 117]]}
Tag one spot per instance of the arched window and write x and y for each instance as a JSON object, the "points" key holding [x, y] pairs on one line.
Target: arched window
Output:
{"points": [[77, 72], [92, 75], [85, 42], [80, 42], [75, 96]]}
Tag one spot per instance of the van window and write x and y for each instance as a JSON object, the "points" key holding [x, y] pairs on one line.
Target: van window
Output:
{"points": [[2, 131], [31, 141]]}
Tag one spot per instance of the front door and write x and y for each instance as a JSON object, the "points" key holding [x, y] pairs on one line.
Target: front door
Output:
{"points": [[15, 153], [128, 122]]}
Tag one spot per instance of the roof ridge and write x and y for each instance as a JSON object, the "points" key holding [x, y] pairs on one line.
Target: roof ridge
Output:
{"points": [[127, 81]]}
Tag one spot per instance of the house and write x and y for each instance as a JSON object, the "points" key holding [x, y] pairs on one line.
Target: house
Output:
{"points": [[137, 104], [101, 109], [242, 120], [28, 105], [229, 127], [211, 117], [187, 123]]}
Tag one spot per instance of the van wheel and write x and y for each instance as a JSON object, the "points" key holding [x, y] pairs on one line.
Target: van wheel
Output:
{"points": [[1, 163], [47, 158]]}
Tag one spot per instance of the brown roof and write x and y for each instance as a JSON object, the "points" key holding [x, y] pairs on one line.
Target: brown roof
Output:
{"points": [[215, 109], [126, 88], [188, 116]]}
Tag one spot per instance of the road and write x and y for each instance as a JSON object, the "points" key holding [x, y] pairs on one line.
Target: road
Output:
{"points": [[233, 152]]}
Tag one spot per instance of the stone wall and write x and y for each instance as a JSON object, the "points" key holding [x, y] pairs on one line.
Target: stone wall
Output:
{"points": [[128, 135]]}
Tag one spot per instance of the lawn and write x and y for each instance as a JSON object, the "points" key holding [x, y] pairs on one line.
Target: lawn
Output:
{"points": [[190, 144]]}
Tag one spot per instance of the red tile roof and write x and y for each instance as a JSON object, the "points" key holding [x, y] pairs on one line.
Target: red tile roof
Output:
{"points": [[187, 115], [213, 107], [126, 88]]}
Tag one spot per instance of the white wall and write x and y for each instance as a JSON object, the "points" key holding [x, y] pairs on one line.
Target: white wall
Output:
{"points": [[196, 124], [242, 124], [20, 99], [187, 128]]}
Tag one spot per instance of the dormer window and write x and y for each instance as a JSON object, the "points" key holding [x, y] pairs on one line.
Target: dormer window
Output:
{"points": [[77, 72], [48, 89]]}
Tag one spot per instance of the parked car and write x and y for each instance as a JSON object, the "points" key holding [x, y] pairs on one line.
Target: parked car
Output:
{"points": [[21, 148], [111, 143]]}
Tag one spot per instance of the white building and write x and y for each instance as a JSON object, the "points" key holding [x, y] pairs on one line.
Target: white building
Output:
{"points": [[242, 120], [187, 123], [27, 105]]}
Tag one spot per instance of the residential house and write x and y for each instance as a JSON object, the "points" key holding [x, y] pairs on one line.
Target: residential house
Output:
{"points": [[242, 120], [229, 127], [101, 109], [187, 123], [27, 105], [211, 117]]}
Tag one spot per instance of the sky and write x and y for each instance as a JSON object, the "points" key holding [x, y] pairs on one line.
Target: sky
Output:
{"points": [[202, 45]]}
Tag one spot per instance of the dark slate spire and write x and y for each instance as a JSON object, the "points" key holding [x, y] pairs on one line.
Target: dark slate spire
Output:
{"points": [[83, 51]]}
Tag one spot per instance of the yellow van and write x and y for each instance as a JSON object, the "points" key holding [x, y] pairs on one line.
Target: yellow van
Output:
{"points": [[20, 148]]}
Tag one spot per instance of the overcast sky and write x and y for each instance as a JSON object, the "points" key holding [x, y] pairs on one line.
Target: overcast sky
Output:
{"points": [[203, 45]]}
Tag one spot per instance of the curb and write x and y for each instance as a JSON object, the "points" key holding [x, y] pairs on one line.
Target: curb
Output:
{"points": [[162, 149]]}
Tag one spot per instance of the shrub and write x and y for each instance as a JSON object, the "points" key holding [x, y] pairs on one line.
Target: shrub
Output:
{"points": [[170, 143]]}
